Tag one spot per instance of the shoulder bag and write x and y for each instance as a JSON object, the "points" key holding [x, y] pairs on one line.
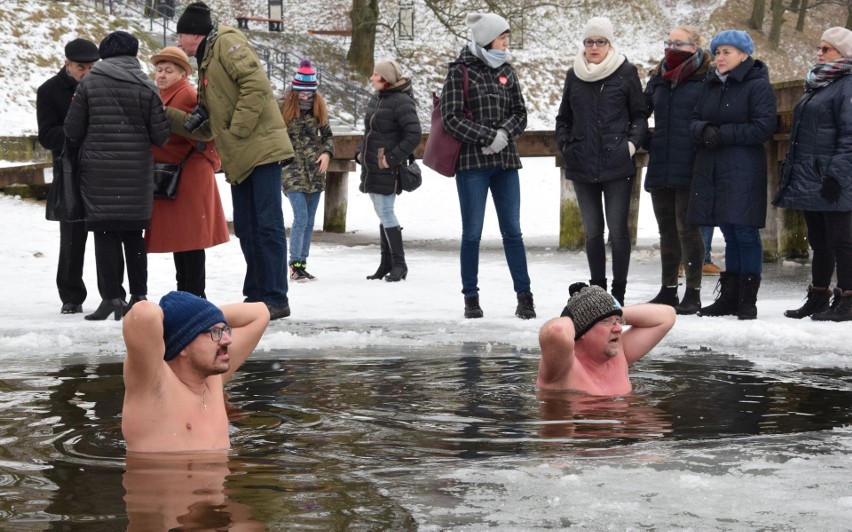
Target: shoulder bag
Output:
{"points": [[410, 177], [442, 149], [167, 177], [64, 199]]}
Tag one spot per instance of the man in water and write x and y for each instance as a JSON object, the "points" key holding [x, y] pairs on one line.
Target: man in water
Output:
{"points": [[588, 350], [179, 355]]}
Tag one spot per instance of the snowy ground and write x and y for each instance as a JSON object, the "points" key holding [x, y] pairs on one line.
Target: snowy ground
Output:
{"points": [[341, 308]]}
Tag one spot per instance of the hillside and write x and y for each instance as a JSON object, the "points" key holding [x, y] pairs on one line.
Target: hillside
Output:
{"points": [[33, 33]]}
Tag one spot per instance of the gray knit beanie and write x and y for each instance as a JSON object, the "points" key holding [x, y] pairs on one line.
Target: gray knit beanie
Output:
{"points": [[485, 27], [841, 39], [389, 70], [589, 305], [598, 27]]}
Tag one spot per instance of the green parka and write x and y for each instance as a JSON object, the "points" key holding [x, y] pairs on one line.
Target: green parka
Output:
{"points": [[244, 117]]}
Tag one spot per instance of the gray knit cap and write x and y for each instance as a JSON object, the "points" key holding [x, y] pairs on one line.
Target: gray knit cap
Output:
{"points": [[589, 305], [485, 27]]}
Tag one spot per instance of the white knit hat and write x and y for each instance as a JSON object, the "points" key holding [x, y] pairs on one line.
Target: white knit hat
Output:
{"points": [[841, 39], [598, 27], [486, 27]]}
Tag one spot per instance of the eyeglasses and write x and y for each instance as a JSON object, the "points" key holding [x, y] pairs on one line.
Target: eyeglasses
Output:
{"points": [[217, 332], [825, 49], [600, 43], [677, 44], [610, 322]]}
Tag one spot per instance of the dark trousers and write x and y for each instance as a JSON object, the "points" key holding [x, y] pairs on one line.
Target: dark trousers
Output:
{"points": [[190, 272], [615, 206], [830, 236], [110, 263], [679, 242], [69, 271]]}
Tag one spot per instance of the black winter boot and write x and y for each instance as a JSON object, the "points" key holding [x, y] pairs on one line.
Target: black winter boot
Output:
{"points": [[525, 309], [387, 262], [727, 298], [747, 307], [840, 309], [472, 308], [816, 301], [618, 289], [107, 307], [667, 296], [400, 269], [691, 302]]}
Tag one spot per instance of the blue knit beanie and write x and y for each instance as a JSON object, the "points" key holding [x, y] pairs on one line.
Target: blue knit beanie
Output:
{"points": [[739, 39], [185, 316]]}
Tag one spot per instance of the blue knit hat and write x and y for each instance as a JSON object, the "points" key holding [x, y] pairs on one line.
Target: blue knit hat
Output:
{"points": [[305, 78], [739, 39], [185, 316]]}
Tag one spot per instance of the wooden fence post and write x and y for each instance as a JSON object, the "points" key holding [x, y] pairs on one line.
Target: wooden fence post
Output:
{"points": [[336, 195]]}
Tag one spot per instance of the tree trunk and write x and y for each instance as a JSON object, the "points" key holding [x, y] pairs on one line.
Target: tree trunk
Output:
{"points": [[758, 10], [777, 22], [800, 20], [364, 16]]}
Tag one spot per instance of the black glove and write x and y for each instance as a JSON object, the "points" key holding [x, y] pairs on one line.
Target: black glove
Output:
{"points": [[830, 189], [711, 137]]}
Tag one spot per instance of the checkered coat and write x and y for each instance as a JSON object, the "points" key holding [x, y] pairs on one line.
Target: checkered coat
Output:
{"points": [[496, 102]]}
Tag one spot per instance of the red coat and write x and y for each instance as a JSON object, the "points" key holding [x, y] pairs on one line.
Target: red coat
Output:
{"points": [[194, 219]]}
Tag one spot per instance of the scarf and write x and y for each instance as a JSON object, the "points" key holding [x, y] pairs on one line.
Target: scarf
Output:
{"points": [[306, 105], [821, 75], [492, 58], [679, 65], [591, 72]]}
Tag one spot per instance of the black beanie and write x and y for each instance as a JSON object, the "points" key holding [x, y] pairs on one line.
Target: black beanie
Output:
{"points": [[118, 43], [195, 20], [81, 51]]}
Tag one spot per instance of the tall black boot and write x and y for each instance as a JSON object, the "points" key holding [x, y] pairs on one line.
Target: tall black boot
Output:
{"points": [[691, 302], [816, 301], [727, 298], [747, 307], [400, 269], [387, 262], [618, 289], [107, 307], [666, 296]]}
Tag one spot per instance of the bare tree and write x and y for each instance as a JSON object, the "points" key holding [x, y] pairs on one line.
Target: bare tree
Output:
{"points": [[364, 16], [778, 9], [758, 10], [800, 20]]}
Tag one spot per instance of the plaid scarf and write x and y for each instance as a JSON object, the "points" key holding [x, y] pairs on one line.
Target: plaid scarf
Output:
{"points": [[821, 75], [678, 66]]}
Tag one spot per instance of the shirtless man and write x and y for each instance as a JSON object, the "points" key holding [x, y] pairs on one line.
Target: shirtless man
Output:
{"points": [[179, 355], [587, 349]]}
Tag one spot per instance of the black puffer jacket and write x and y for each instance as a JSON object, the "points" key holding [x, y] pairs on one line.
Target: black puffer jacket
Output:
{"points": [[820, 146], [391, 126], [115, 116], [671, 150], [596, 120], [729, 182]]}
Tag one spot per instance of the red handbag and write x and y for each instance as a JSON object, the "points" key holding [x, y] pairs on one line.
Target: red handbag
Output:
{"points": [[442, 150]]}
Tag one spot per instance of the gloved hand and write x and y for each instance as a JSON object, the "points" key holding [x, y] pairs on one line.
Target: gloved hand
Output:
{"points": [[830, 189], [501, 140], [711, 137]]}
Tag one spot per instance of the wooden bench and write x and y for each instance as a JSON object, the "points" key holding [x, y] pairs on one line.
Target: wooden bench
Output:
{"points": [[274, 23], [338, 33]]}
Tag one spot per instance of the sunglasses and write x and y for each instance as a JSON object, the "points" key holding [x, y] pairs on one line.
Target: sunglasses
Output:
{"points": [[600, 43], [825, 49]]}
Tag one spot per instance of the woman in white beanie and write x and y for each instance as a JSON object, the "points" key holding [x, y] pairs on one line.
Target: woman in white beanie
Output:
{"points": [[601, 122], [817, 176], [487, 120]]}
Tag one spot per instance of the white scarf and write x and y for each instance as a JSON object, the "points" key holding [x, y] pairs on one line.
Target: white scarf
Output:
{"points": [[587, 71], [492, 58]]}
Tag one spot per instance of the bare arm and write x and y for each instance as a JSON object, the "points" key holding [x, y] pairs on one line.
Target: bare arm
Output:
{"points": [[143, 336], [648, 325], [556, 339], [248, 321]]}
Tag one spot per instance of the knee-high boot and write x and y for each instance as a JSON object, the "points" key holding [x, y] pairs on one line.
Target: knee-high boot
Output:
{"points": [[747, 307], [400, 269], [387, 262]]}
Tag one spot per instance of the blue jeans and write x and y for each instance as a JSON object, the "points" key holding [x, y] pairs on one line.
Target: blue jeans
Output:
{"points": [[383, 205], [743, 249], [473, 186], [259, 224], [707, 236], [304, 211], [616, 199]]}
